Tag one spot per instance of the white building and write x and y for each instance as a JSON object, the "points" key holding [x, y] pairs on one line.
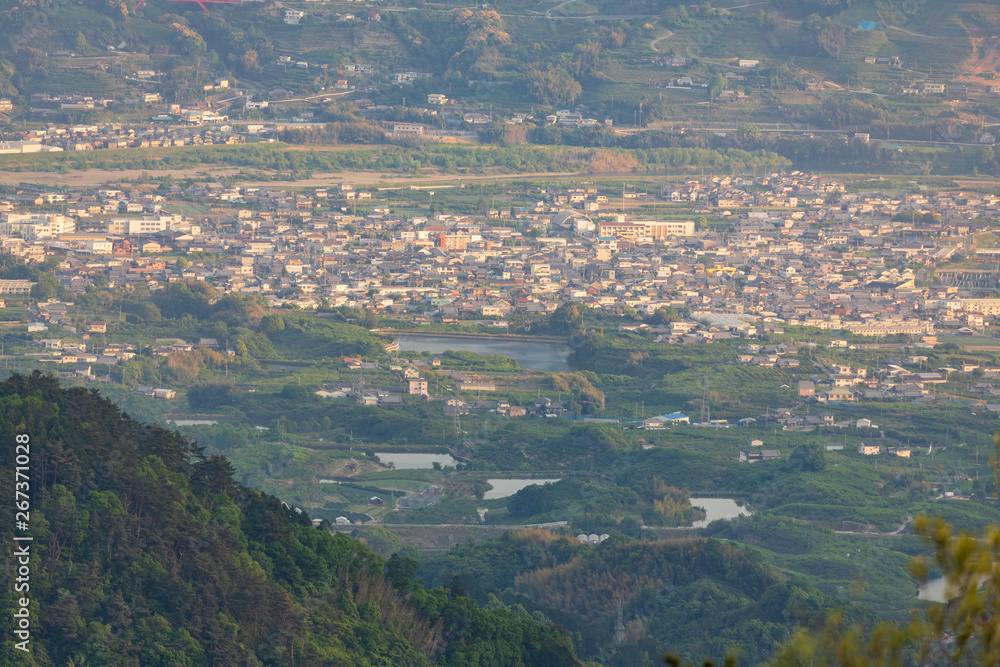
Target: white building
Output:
{"points": [[26, 147], [162, 223], [655, 229], [35, 226]]}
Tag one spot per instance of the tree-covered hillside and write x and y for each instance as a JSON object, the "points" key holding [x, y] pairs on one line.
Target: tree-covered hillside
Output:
{"points": [[704, 84], [693, 597], [145, 552]]}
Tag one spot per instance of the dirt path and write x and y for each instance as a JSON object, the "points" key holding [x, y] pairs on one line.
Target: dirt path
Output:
{"points": [[915, 34], [985, 59], [652, 44]]}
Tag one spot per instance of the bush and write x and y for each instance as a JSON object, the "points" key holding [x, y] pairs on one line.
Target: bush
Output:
{"points": [[530, 500]]}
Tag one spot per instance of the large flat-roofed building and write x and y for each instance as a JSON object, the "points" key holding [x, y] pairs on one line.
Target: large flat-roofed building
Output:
{"points": [[984, 306], [660, 229], [33, 226], [657, 229], [453, 241], [888, 328], [622, 230], [143, 225], [16, 286], [408, 128], [477, 385]]}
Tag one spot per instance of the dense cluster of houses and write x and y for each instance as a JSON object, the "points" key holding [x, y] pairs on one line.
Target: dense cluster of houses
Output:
{"points": [[802, 251], [115, 136]]}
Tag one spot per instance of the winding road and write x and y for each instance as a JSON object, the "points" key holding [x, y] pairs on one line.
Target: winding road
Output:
{"points": [[652, 44]]}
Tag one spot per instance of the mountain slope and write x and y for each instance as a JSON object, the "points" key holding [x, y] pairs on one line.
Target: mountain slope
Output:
{"points": [[146, 553]]}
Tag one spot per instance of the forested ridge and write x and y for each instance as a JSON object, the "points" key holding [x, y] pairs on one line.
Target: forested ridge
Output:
{"points": [[146, 552], [693, 597]]}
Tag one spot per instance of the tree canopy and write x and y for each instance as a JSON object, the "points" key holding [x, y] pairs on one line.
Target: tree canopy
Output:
{"points": [[146, 552]]}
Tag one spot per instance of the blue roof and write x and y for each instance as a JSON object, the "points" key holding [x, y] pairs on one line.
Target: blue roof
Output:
{"points": [[867, 25], [676, 415]]}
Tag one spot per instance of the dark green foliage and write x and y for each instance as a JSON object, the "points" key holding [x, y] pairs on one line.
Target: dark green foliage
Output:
{"points": [[147, 553], [823, 36], [477, 362], [13, 268], [191, 297], [298, 393], [567, 318], [305, 337], [594, 505], [476, 631], [336, 133], [529, 501], [694, 597], [223, 437], [843, 113], [808, 458], [778, 534], [143, 311], [239, 310], [414, 422], [514, 443], [255, 345], [493, 565], [271, 324], [211, 396], [401, 571]]}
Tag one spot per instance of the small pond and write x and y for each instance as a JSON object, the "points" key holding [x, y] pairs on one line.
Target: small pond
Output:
{"points": [[717, 508]]}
